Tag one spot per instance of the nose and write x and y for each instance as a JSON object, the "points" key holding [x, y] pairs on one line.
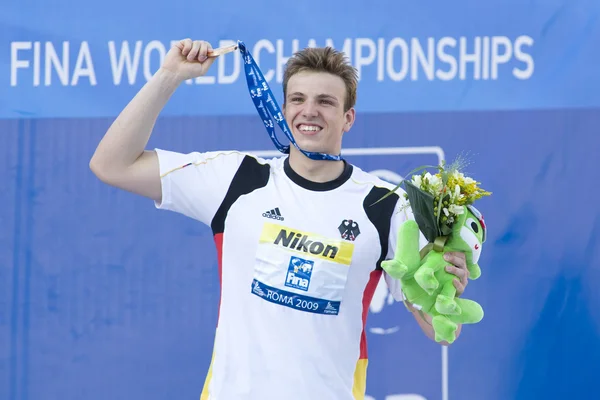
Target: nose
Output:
{"points": [[310, 109]]}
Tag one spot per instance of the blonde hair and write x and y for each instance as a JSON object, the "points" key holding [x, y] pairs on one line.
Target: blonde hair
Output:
{"points": [[324, 59]]}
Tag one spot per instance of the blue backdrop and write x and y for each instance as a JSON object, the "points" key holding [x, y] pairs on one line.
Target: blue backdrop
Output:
{"points": [[102, 296]]}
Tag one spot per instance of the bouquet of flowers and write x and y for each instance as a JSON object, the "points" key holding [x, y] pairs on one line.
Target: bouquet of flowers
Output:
{"points": [[442, 205], [438, 199]]}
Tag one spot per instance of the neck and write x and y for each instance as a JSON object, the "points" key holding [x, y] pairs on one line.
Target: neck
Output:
{"points": [[315, 170]]}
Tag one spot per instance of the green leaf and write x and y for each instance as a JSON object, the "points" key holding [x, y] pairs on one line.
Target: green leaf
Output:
{"points": [[406, 179], [446, 230], [422, 205]]}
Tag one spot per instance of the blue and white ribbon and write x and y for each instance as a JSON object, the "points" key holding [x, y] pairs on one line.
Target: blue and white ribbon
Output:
{"points": [[267, 107]]}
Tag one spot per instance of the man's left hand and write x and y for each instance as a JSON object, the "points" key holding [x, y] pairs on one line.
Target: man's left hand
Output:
{"points": [[458, 268]]}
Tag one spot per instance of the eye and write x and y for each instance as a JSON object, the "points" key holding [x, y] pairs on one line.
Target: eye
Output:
{"points": [[474, 226]]}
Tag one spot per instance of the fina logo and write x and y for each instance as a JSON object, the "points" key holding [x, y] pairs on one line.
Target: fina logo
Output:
{"points": [[299, 273], [382, 298]]}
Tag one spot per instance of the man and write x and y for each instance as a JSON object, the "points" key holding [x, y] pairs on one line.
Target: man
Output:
{"points": [[299, 242]]}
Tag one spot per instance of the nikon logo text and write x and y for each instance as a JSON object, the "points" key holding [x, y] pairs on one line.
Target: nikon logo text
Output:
{"points": [[336, 250], [300, 242]]}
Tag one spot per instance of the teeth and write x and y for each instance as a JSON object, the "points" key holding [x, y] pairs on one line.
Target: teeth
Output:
{"points": [[309, 128]]}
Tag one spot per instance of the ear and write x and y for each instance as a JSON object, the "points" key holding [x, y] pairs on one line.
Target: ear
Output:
{"points": [[349, 116]]}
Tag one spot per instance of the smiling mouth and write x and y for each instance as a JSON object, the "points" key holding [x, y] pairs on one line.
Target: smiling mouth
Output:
{"points": [[309, 129]]}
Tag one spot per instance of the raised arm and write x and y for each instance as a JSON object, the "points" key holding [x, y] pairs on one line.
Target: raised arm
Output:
{"points": [[121, 159]]}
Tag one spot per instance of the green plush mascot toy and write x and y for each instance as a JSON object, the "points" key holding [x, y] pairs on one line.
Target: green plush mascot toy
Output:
{"points": [[444, 214]]}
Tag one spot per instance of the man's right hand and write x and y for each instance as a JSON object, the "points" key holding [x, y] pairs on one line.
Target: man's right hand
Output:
{"points": [[189, 59]]}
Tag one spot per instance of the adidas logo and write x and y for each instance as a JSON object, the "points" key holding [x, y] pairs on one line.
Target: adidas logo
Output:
{"points": [[273, 214]]}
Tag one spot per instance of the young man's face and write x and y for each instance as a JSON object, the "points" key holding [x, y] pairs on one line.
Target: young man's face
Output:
{"points": [[314, 110]]}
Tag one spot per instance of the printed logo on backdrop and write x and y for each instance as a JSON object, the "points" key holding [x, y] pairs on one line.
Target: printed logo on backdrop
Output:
{"points": [[44, 62], [120, 67]]}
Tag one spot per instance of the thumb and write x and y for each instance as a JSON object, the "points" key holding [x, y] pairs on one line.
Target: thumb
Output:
{"points": [[203, 65], [208, 62]]}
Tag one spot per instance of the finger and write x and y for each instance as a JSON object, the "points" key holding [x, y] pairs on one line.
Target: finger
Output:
{"points": [[458, 272], [460, 288], [185, 45], [202, 51], [456, 258], [193, 54]]}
